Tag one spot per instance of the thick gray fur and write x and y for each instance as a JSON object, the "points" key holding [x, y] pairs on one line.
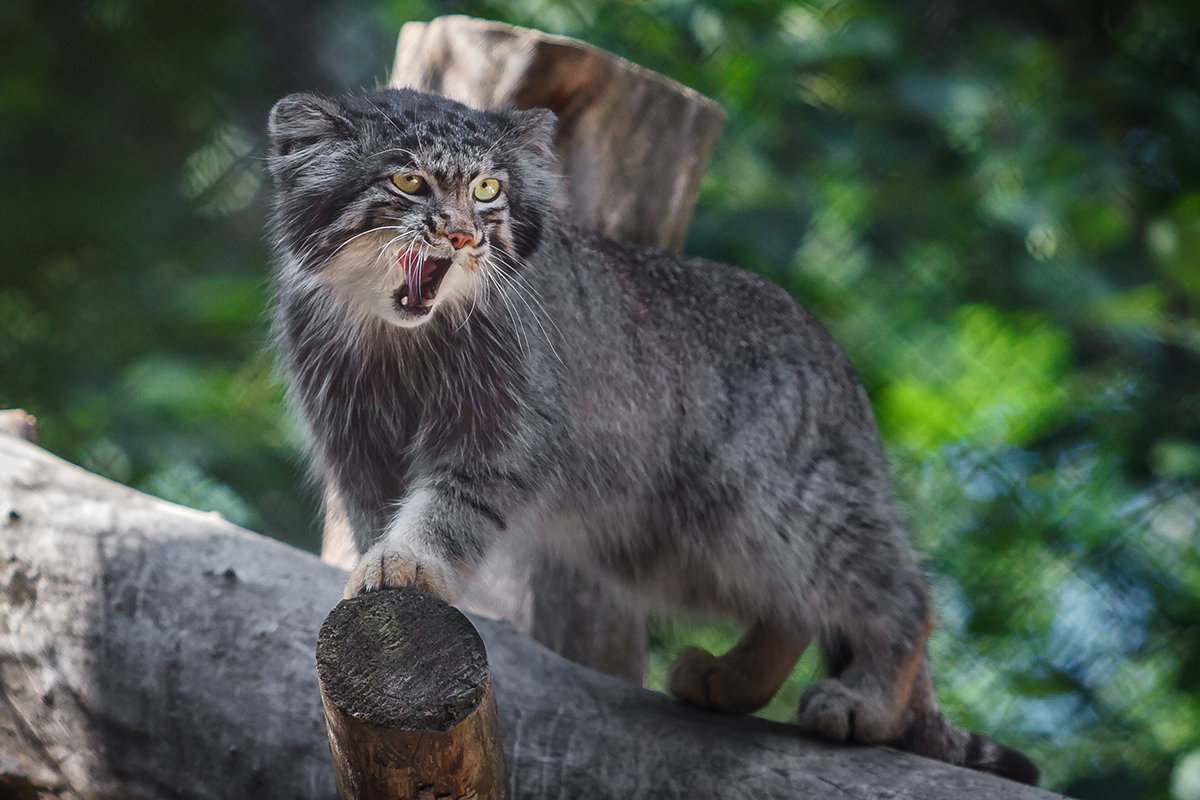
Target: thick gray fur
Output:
{"points": [[678, 426]]}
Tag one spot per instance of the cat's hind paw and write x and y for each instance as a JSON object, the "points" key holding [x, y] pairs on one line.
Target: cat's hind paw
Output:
{"points": [[834, 711], [392, 568]]}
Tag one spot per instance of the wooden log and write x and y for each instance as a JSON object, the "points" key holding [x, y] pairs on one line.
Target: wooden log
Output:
{"points": [[16, 422], [633, 145], [153, 651], [408, 700], [149, 650]]}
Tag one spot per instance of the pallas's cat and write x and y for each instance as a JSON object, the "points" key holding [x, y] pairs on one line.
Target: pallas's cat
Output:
{"points": [[474, 367]]}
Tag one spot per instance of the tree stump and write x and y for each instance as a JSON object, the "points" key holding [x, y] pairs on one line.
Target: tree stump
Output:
{"points": [[633, 146], [408, 701]]}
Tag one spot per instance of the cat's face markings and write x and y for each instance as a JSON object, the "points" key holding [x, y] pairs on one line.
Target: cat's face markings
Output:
{"points": [[427, 240], [443, 265], [425, 205]]}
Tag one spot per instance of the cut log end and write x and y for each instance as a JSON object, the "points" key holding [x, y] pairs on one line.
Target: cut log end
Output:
{"points": [[15, 422], [408, 699], [402, 659]]}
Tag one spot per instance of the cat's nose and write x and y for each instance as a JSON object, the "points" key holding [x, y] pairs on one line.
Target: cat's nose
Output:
{"points": [[460, 239]]}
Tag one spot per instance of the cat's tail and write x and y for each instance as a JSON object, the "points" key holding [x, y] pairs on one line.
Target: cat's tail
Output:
{"points": [[930, 734]]}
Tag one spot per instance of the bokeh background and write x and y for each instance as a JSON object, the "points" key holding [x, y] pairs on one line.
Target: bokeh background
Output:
{"points": [[994, 206]]}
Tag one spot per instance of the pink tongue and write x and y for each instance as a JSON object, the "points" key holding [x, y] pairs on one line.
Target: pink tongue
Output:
{"points": [[411, 264]]}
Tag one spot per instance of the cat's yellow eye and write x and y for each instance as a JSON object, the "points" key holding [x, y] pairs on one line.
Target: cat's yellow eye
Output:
{"points": [[487, 189], [407, 182]]}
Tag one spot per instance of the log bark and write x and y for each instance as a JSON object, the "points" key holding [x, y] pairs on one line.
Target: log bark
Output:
{"points": [[633, 145], [408, 701], [152, 651]]}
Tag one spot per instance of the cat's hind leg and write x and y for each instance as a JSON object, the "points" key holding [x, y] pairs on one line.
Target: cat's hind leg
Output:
{"points": [[744, 679], [874, 666]]}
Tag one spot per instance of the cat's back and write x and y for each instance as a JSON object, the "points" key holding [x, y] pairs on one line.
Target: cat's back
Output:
{"points": [[734, 344], [709, 305], [705, 291]]}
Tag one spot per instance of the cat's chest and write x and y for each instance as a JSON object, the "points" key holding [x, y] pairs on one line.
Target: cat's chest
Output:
{"points": [[384, 436]]}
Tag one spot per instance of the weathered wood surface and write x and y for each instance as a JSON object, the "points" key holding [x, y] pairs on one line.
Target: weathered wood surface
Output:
{"points": [[409, 702], [16, 422], [633, 146], [147, 650]]}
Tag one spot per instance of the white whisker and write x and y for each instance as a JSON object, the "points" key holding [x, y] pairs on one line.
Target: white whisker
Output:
{"points": [[536, 311], [515, 274]]}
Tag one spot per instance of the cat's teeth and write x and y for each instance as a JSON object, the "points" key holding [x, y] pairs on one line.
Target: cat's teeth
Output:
{"points": [[404, 300]]}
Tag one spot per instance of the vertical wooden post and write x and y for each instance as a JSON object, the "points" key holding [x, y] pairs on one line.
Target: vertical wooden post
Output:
{"points": [[408, 700], [633, 145]]}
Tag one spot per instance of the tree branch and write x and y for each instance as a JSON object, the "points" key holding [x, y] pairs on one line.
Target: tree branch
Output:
{"points": [[148, 650]]}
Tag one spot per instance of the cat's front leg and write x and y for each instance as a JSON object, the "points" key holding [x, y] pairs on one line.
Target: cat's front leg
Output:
{"points": [[433, 543]]}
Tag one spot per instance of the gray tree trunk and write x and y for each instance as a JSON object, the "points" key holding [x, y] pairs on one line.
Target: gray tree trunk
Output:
{"points": [[152, 651]]}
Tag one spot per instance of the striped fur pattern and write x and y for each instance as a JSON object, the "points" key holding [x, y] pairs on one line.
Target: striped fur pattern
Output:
{"points": [[679, 427]]}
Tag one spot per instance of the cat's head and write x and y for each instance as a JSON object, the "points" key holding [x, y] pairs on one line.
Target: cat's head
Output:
{"points": [[408, 205]]}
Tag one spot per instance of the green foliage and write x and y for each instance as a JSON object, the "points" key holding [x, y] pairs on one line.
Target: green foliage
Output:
{"points": [[995, 208]]}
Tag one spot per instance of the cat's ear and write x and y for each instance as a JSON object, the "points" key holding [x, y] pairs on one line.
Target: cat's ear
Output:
{"points": [[299, 120], [536, 128]]}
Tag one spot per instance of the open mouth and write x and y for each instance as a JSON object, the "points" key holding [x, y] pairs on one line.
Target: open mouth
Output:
{"points": [[424, 278]]}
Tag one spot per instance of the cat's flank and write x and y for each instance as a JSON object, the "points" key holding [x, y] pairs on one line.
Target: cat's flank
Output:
{"points": [[473, 367]]}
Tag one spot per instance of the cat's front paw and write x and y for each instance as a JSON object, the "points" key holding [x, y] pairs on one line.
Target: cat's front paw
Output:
{"points": [[391, 566], [702, 679], [835, 711]]}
